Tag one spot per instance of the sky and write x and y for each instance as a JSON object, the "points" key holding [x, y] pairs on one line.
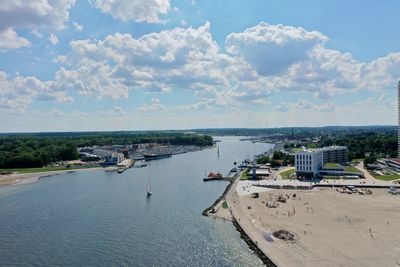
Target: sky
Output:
{"points": [[100, 65]]}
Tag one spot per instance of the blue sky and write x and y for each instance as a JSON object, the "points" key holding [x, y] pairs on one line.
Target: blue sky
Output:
{"points": [[161, 64]]}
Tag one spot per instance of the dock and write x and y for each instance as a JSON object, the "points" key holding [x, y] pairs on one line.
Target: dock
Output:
{"points": [[126, 164], [224, 178]]}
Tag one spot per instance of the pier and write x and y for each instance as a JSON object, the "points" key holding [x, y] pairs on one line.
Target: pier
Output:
{"points": [[126, 164]]}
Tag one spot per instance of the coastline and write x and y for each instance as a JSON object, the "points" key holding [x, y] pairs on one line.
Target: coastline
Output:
{"points": [[27, 178], [352, 225], [251, 243]]}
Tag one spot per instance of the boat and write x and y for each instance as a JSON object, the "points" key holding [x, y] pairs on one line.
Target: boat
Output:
{"points": [[153, 156], [148, 193], [214, 175], [142, 165]]}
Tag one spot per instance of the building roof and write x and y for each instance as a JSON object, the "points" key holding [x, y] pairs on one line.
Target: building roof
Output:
{"points": [[395, 160], [312, 150]]}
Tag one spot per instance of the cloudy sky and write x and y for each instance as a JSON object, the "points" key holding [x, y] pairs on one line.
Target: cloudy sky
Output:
{"points": [[69, 65]]}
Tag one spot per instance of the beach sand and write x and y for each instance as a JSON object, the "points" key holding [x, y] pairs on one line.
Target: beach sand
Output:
{"points": [[25, 178], [330, 228]]}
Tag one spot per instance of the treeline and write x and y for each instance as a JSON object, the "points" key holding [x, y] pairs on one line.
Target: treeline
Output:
{"points": [[374, 144], [38, 150], [34, 152], [278, 159], [299, 132]]}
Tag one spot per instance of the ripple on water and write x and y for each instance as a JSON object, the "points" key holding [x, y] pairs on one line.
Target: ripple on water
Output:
{"points": [[95, 218]]}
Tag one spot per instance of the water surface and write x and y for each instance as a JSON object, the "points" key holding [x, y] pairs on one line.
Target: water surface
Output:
{"points": [[99, 218]]}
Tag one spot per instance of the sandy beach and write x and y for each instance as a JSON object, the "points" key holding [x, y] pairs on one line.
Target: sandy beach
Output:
{"points": [[25, 178], [329, 228]]}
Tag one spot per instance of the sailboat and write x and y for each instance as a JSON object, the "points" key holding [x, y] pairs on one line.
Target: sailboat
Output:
{"points": [[218, 151], [148, 189]]}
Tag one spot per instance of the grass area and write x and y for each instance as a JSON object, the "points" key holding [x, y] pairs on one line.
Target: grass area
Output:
{"points": [[331, 177], [356, 161], [288, 173], [245, 175], [351, 169], [224, 205], [332, 166], [391, 177], [44, 169]]}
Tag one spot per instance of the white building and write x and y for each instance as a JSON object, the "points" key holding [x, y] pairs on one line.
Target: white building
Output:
{"points": [[309, 162]]}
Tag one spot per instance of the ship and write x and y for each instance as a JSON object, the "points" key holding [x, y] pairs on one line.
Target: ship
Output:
{"points": [[153, 156], [214, 176]]}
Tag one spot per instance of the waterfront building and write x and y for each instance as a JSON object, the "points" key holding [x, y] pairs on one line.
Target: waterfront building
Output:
{"points": [[309, 163], [113, 158], [335, 154], [88, 156]]}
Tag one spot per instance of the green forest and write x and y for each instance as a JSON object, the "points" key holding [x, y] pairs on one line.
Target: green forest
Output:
{"points": [[278, 159], [372, 143], [38, 150]]}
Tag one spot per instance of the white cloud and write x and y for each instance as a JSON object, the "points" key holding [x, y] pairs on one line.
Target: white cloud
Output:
{"points": [[40, 15], [91, 79], [53, 39], [34, 14], [203, 105], [271, 49], [153, 106], [17, 93], [60, 97], [156, 62], [137, 10], [302, 106], [36, 33], [262, 61], [190, 59], [78, 27], [9, 39]]}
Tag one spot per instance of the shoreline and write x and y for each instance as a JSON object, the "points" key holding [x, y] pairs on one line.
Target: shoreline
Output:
{"points": [[252, 245], [358, 220], [33, 177], [243, 235]]}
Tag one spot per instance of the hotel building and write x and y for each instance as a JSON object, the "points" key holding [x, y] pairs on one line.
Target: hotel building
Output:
{"points": [[310, 162]]}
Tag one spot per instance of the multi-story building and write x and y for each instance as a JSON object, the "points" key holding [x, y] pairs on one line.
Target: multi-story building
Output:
{"points": [[398, 118], [309, 162], [335, 154]]}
